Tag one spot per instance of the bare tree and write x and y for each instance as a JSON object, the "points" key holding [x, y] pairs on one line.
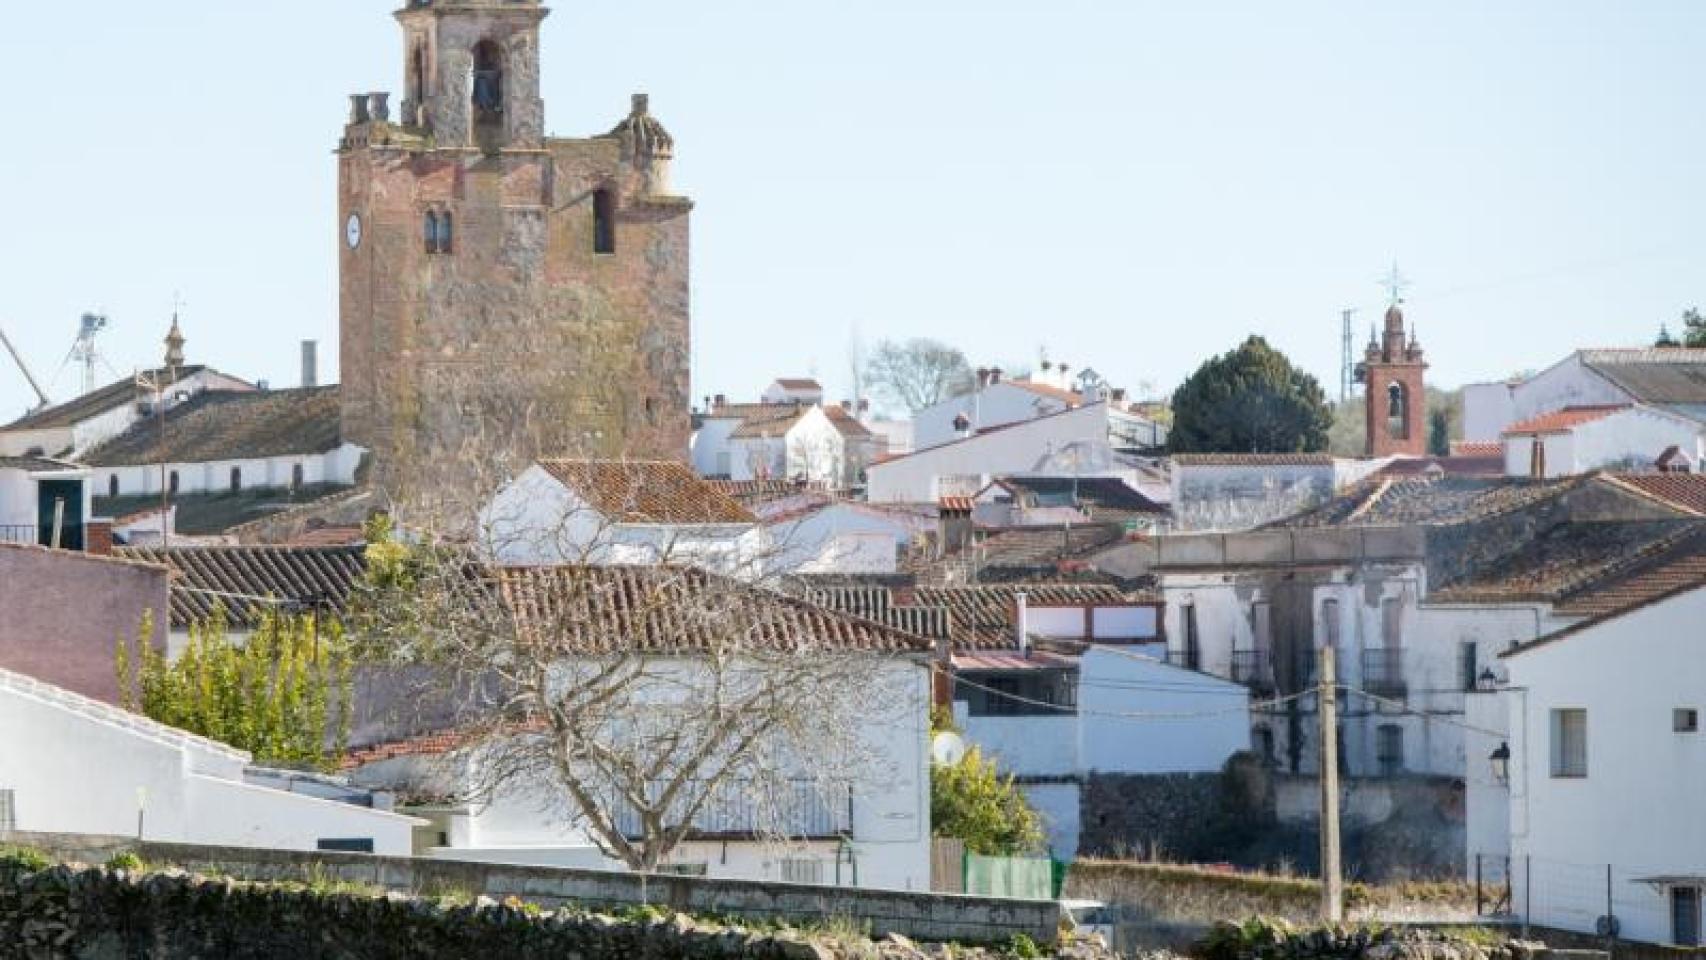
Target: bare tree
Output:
{"points": [[918, 373], [643, 704]]}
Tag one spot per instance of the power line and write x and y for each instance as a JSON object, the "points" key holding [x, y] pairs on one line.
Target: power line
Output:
{"points": [[1131, 715]]}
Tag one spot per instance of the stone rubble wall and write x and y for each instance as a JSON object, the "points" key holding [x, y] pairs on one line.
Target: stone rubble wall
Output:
{"points": [[920, 916]]}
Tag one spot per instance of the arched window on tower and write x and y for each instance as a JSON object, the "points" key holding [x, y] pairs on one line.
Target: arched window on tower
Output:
{"points": [[417, 74], [488, 93], [603, 221], [1397, 412]]}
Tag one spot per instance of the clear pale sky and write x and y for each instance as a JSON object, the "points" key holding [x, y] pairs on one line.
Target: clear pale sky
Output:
{"points": [[1133, 185]]}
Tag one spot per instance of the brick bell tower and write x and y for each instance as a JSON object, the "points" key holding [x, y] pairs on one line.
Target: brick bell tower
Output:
{"points": [[503, 294], [1394, 398]]}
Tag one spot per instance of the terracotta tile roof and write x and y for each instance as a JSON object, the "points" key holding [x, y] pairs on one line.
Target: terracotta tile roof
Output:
{"points": [[1106, 497], [1005, 661], [956, 504], [1477, 448], [1562, 421], [1656, 375], [328, 536], [1682, 566], [647, 491], [1430, 501], [982, 615], [588, 610], [88, 405], [1045, 547], [1254, 459], [223, 512], [243, 580], [37, 464], [425, 745], [846, 423], [740, 411], [1456, 465], [1566, 558], [1686, 491], [790, 383], [1044, 390], [231, 425], [770, 423]]}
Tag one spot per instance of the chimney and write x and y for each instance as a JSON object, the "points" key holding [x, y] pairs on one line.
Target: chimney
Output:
{"points": [[847, 405], [1119, 395], [98, 538], [722, 401], [310, 363], [1022, 621], [962, 425], [994, 375], [983, 376]]}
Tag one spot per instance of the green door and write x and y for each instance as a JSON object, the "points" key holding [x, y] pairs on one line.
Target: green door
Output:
{"points": [[51, 492]]}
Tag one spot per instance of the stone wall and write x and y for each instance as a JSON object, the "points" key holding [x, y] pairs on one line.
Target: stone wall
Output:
{"points": [[921, 916], [99, 914]]}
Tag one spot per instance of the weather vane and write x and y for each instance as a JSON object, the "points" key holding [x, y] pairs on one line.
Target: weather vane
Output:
{"points": [[1395, 283]]}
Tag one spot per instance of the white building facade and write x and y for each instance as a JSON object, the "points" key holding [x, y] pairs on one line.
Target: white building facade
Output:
{"points": [[76, 765]]}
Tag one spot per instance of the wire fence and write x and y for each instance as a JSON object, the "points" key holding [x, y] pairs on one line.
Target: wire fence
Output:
{"points": [[1614, 902]]}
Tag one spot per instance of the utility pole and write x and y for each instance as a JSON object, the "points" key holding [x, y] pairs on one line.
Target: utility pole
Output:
{"points": [[1332, 881]]}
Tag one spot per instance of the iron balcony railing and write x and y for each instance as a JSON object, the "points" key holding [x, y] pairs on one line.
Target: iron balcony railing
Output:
{"points": [[1253, 669], [20, 534], [740, 809], [1383, 671]]}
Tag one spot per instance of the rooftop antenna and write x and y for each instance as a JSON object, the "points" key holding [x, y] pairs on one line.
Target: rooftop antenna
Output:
{"points": [[1347, 358], [85, 351]]}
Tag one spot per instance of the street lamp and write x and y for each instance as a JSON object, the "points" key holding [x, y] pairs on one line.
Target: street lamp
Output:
{"points": [[1501, 762], [1487, 681]]}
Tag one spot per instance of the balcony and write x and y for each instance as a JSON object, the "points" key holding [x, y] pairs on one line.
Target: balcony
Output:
{"points": [[1253, 669], [740, 810], [29, 534], [1383, 672]]}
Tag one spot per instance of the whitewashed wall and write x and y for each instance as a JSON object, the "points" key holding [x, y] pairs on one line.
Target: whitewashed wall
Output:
{"points": [[1638, 808], [1016, 449], [334, 467], [1633, 437], [80, 767]]}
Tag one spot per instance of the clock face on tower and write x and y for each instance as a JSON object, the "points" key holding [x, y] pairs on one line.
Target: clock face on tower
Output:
{"points": [[352, 230]]}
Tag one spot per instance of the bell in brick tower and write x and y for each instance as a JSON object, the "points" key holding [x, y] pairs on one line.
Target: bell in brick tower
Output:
{"points": [[1391, 372], [504, 295]]}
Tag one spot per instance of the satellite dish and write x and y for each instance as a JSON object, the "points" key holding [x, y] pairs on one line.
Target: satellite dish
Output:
{"points": [[947, 748]]}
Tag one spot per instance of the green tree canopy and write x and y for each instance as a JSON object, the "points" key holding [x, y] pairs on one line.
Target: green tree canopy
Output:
{"points": [[1693, 328], [971, 801], [279, 694], [1251, 400]]}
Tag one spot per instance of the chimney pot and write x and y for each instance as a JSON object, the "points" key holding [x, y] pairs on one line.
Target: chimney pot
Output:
{"points": [[310, 363], [358, 108], [1022, 621], [380, 106]]}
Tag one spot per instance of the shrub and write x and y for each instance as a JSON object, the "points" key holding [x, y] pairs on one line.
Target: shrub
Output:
{"points": [[126, 860], [24, 859]]}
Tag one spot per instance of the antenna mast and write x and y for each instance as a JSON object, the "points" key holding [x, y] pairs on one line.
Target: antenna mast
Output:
{"points": [[84, 351], [1347, 359]]}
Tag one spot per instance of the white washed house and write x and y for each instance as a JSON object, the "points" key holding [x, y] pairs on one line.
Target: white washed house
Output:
{"points": [[32, 489], [871, 830], [225, 441], [1608, 766], [1669, 378], [998, 402], [823, 446], [76, 426], [1576, 440], [622, 512], [75, 765], [963, 467], [843, 537]]}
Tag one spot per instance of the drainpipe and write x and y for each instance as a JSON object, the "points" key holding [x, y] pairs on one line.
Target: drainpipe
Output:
{"points": [[1022, 622]]}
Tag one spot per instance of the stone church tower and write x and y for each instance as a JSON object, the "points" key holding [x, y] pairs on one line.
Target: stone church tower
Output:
{"points": [[504, 294], [1396, 403]]}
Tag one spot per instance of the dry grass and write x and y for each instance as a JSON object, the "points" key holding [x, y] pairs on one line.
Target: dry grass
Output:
{"points": [[1190, 894]]}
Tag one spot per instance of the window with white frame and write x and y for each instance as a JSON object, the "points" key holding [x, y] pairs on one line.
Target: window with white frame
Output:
{"points": [[1570, 742]]}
